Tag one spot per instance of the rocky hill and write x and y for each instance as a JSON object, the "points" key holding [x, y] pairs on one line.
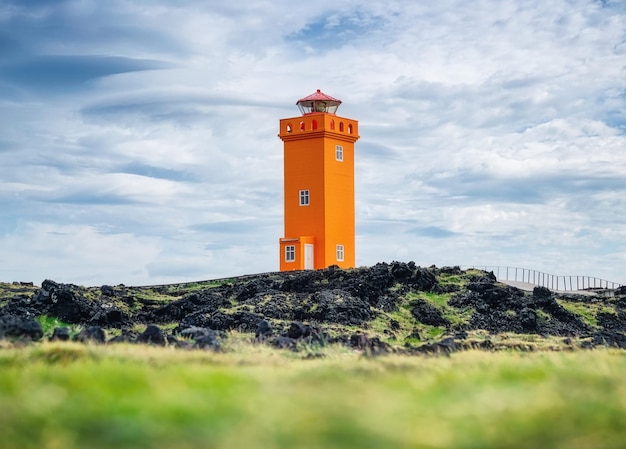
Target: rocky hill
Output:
{"points": [[396, 307]]}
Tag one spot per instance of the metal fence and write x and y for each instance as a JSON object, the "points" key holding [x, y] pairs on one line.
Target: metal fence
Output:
{"points": [[551, 281]]}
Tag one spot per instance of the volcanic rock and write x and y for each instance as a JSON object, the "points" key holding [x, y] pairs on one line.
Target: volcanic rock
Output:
{"points": [[298, 330], [608, 338], [15, 326], [152, 335], [94, 334], [282, 342], [60, 334], [264, 329], [426, 313], [373, 346], [445, 346]]}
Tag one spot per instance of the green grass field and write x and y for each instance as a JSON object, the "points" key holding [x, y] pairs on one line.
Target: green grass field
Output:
{"points": [[67, 396]]}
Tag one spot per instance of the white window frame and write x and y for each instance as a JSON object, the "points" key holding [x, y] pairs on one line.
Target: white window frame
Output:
{"points": [[340, 253], [290, 253], [339, 153], [305, 197]]}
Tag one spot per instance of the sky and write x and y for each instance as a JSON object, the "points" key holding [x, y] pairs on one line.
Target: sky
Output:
{"points": [[138, 139]]}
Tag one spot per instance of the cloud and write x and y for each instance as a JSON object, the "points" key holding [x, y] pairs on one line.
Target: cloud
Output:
{"points": [[70, 252], [491, 133], [62, 72], [337, 29], [155, 172], [432, 231]]}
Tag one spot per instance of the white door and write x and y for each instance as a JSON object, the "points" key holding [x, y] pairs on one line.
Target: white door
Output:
{"points": [[308, 256]]}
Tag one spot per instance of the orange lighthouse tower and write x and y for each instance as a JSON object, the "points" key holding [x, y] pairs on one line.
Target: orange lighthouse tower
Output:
{"points": [[319, 186]]}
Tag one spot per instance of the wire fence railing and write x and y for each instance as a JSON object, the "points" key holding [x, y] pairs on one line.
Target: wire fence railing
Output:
{"points": [[551, 281]]}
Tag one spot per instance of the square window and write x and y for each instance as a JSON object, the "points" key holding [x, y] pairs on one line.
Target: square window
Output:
{"points": [[340, 253], [305, 199], [339, 153], [290, 253]]}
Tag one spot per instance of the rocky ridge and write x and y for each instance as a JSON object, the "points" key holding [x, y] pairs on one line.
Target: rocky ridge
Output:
{"points": [[396, 307]]}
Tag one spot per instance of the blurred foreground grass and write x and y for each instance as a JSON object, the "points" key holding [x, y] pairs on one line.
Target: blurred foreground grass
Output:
{"points": [[75, 396]]}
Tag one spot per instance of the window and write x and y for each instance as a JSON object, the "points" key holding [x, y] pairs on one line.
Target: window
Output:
{"points": [[339, 153], [290, 253], [305, 200], [340, 253]]}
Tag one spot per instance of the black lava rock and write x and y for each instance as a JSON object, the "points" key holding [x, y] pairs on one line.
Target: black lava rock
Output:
{"points": [[152, 335], [426, 313], [15, 326], [93, 334], [60, 334], [264, 329], [298, 330]]}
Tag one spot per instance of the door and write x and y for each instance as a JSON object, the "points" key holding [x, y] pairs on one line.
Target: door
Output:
{"points": [[308, 256]]}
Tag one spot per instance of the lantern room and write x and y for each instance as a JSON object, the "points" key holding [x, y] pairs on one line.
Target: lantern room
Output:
{"points": [[318, 102]]}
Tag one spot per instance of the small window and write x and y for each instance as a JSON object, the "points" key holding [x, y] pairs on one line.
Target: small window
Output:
{"points": [[314, 125], [339, 153], [305, 199], [339, 253], [332, 125], [289, 128], [341, 126], [350, 129], [290, 253], [301, 126]]}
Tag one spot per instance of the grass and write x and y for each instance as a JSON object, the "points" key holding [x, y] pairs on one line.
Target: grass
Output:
{"points": [[440, 300], [587, 311], [460, 280], [74, 396], [48, 323]]}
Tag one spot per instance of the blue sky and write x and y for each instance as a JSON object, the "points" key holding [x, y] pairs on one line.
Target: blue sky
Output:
{"points": [[138, 139]]}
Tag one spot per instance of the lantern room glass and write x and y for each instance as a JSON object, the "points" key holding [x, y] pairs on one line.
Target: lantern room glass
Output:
{"points": [[309, 107]]}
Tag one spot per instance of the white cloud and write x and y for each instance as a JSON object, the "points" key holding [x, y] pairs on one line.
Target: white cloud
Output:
{"points": [[71, 253], [491, 133]]}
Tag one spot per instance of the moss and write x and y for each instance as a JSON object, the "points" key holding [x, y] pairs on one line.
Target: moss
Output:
{"points": [[16, 289], [461, 280], [586, 311], [446, 279], [454, 315], [458, 316], [48, 324], [435, 331], [543, 315]]}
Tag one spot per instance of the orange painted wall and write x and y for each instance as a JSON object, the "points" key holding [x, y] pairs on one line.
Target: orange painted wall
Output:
{"points": [[310, 164]]}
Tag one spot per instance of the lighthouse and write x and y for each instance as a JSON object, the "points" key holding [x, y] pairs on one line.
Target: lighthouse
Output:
{"points": [[318, 186]]}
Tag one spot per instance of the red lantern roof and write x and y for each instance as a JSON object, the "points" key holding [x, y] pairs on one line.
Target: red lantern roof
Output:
{"points": [[318, 102], [319, 95]]}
